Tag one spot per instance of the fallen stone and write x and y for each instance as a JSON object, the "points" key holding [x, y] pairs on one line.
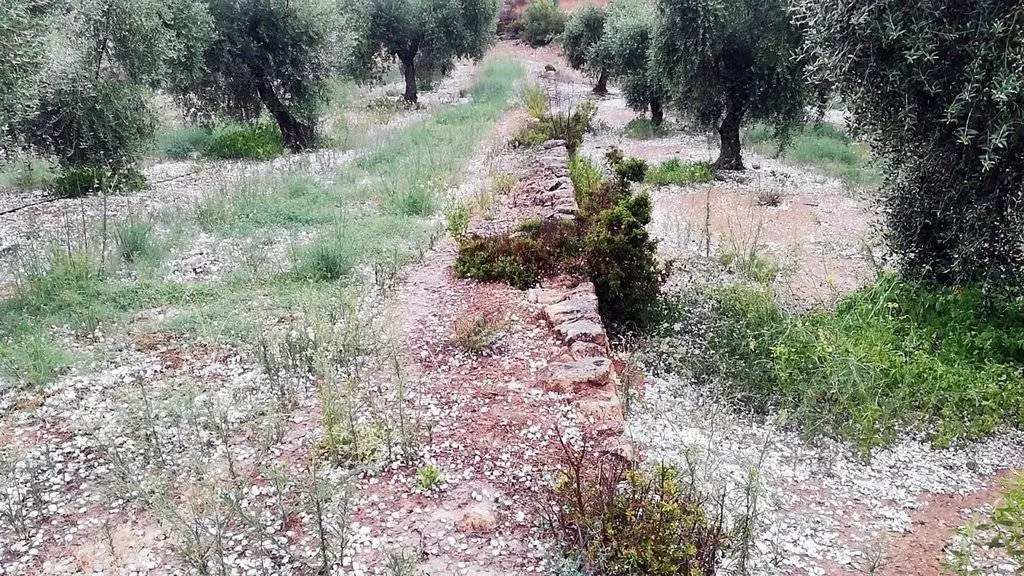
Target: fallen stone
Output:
{"points": [[478, 517], [566, 377], [581, 350], [566, 208], [544, 295]]}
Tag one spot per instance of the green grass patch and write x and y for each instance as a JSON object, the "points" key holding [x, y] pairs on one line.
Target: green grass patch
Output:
{"points": [[819, 146], [256, 142], [890, 358], [287, 201], [28, 174], [182, 143], [644, 129], [673, 171], [71, 290], [135, 240]]}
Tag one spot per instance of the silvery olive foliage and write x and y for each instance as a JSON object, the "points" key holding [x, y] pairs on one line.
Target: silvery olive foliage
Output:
{"points": [[583, 30], [88, 104], [424, 36], [22, 47], [938, 87], [726, 63], [625, 51], [273, 56]]}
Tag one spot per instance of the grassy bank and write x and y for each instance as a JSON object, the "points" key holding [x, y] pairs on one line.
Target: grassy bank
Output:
{"points": [[891, 358], [821, 147], [377, 215]]}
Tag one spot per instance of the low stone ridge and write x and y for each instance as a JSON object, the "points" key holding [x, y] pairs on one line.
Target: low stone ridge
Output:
{"points": [[571, 307], [547, 185]]}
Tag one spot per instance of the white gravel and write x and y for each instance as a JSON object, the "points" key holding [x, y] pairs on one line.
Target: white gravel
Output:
{"points": [[822, 502]]}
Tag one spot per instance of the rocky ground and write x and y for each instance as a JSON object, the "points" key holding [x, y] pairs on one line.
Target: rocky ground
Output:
{"points": [[420, 451]]}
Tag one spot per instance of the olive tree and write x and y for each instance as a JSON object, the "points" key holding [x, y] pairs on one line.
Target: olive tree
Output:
{"points": [[266, 55], [725, 63], [425, 36], [625, 51], [89, 105], [583, 31], [938, 87], [21, 43]]}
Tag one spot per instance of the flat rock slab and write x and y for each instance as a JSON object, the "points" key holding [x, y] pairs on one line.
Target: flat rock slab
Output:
{"points": [[583, 331], [579, 307], [567, 377]]}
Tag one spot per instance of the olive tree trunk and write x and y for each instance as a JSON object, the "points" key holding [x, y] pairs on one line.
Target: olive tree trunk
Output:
{"points": [[729, 156], [296, 134], [601, 88], [409, 72], [657, 112]]}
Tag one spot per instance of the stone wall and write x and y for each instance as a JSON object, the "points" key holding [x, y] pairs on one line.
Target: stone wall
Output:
{"points": [[570, 306]]}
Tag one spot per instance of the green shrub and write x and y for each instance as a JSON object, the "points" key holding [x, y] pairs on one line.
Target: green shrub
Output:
{"points": [[542, 22], [623, 264], [608, 242], [531, 136], [134, 239], [256, 142], [617, 519], [585, 176], [521, 259], [85, 181], [456, 220], [625, 169], [673, 171], [891, 356], [535, 101], [1003, 529], [183, 143], [569, 126]]}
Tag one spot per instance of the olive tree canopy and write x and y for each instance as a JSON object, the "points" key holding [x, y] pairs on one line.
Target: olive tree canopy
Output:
{"points": [[89, 102], [425, 36], [625, 51], [938, 87], [725, 63], [583, 31], [267, 55]]}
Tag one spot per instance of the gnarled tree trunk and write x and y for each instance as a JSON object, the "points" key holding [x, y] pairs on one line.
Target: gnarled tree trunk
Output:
{"points": [[657, 113], [408, 60], [601, 88], [297, 135], [729, 157]]}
